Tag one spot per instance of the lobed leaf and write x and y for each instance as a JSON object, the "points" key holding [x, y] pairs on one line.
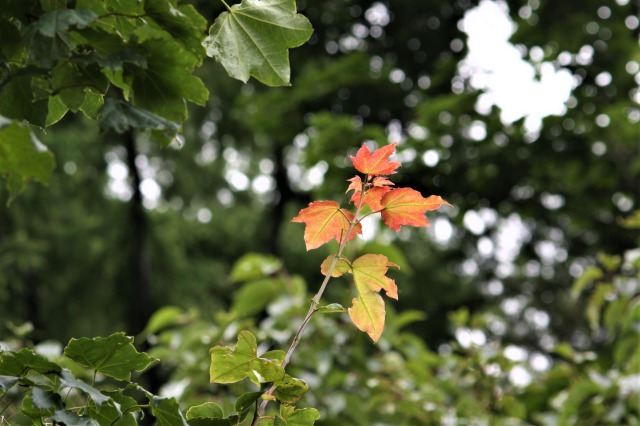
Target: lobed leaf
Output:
{"points": [[324, 221], [232, 365], [376, 163], [114, 356], [252, 39], [406, 206], [167, 412], [369, 272], [19, 363]]}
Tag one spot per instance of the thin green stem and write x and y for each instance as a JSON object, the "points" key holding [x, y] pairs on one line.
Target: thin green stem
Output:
{"points": [[226, 5], [315, 301]]}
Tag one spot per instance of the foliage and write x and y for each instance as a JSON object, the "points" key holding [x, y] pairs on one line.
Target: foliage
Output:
{"points": [[130, 65]]}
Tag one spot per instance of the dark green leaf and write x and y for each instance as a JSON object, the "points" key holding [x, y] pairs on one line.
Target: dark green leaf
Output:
{"points": [[19, 363], [48, 38], [118, 412], [165, 86], [252, 38], [114, 356], [17, 101], [167, 412], [70, 418], [182, 23], [68, 380], [246, 403], [122, 116], [44, 399], [29, 409]]}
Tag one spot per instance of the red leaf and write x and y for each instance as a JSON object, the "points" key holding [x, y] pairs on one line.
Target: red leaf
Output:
{"points": [[376, 163], [405, 206], [324, 221]]}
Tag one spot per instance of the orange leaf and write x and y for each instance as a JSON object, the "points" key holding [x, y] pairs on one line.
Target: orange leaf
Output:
{"points": [[324, 221], [382, 181], [405, 206], [367, 313], [372, 197], [376, 163], [369, 271]]}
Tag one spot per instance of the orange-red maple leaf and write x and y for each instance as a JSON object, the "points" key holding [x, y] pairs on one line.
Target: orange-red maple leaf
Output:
{"points": [[406, 206], [376, 163], [373, 195], [324, 221]]}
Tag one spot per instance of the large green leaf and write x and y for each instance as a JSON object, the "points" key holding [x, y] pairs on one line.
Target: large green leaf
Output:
{"points": [[22, 157], [113, 356], [232, 365], [118, 413], [167, 83], [252, 39]]}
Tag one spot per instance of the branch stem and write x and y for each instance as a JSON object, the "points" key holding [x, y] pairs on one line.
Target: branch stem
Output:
{"points": [[315, 301]]}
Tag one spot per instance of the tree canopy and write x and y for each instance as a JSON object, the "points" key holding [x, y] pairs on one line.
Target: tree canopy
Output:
{"points": [[162, 169]]}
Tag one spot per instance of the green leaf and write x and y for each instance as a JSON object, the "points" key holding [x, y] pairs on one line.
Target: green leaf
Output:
{"points": [[7, 382], [254, 296], [122, 116], [332, 308], [246, 403], [70, 418], [303, 417], [29, 409], [22, 157], [252, 38], [17, 101], [290, 390], [252, 266], [114, 356], [19, 363], [68, 380], [44, 399], [165, 86], [232, 365], [48, 38], [167, 412], [165, 317], [118, 412], [207, 410], [182, 23]]}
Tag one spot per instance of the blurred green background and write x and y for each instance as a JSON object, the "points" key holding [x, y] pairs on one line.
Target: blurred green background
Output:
{"points": [[125, 228]]}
